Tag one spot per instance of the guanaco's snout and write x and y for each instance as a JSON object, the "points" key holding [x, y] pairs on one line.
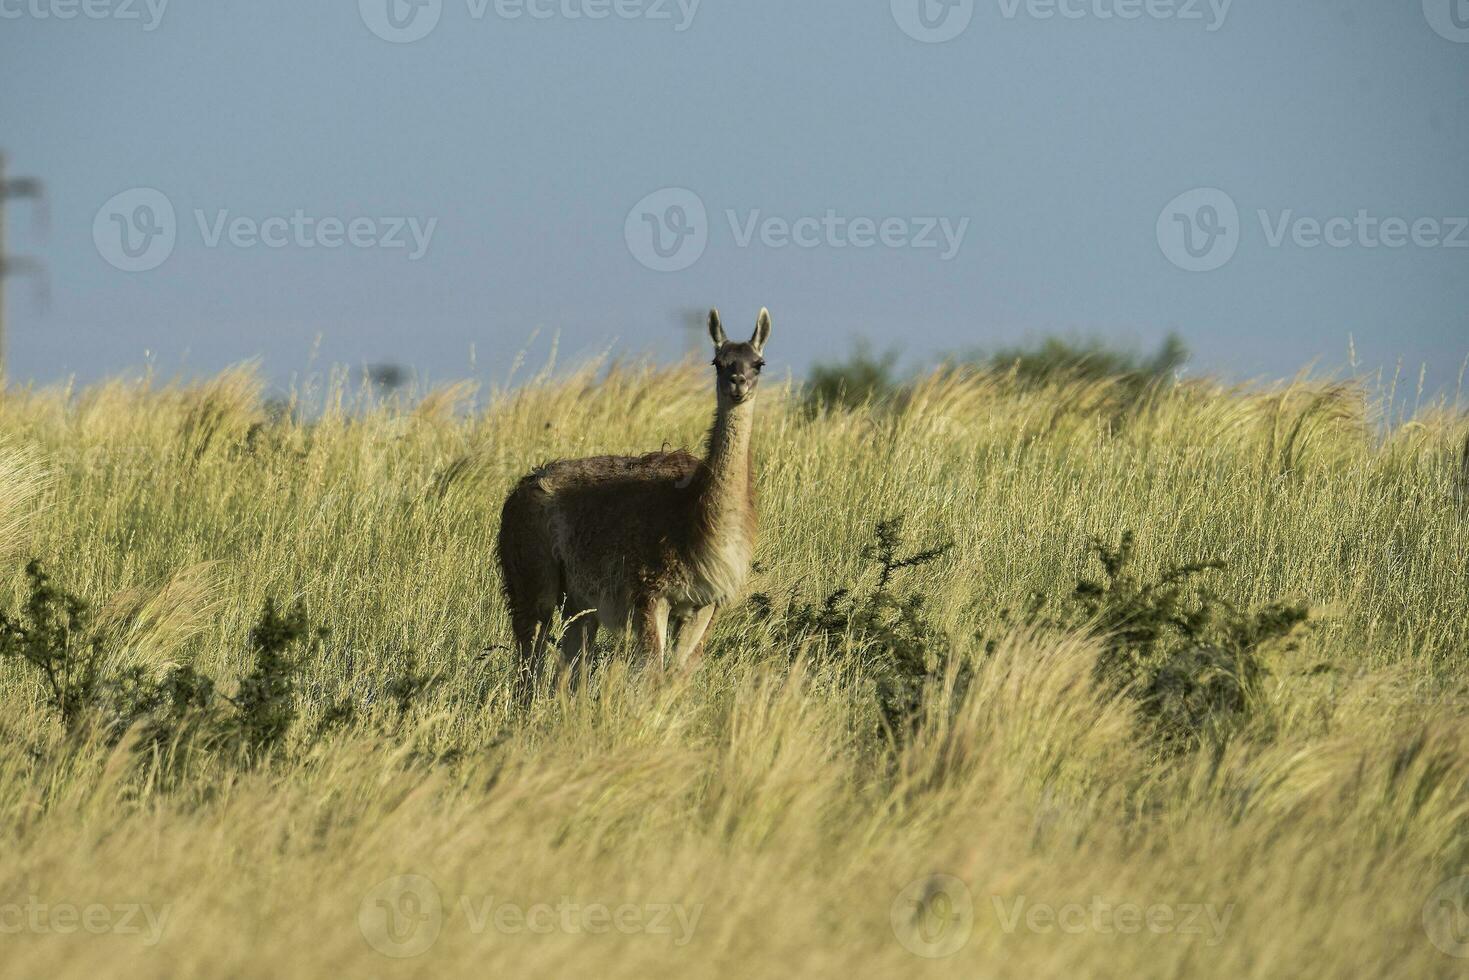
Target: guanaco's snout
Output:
{"points": [[738, 388]]}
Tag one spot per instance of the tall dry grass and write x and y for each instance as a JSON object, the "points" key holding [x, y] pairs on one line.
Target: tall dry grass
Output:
{"points": [[755, 801]]}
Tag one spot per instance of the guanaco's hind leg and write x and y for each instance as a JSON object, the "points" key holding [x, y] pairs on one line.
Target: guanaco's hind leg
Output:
{"points": [[533, 645], [578, 639], [531, 578]]}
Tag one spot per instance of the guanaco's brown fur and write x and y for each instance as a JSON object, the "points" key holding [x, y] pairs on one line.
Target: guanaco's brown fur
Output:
{"points": [[660, 540]]}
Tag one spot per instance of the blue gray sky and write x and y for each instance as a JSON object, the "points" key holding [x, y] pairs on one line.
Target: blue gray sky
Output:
{"points": [[354, 182]]}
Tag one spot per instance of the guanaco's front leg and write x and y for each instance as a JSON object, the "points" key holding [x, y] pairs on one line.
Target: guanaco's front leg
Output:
{"points": [[653, 630], [690, 647]]}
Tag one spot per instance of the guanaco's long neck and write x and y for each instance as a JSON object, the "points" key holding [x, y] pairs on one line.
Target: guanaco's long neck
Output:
{"points": [[728, 495]]}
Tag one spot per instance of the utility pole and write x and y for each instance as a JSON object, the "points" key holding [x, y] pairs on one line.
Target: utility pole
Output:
{"points": [[16, 187]]}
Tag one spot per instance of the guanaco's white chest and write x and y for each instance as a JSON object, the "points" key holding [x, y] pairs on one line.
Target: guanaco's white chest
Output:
{"points": [[719, 570]]}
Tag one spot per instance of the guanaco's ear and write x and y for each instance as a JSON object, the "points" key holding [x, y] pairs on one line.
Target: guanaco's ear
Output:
{"points": [[762, 331], [716, 330]]}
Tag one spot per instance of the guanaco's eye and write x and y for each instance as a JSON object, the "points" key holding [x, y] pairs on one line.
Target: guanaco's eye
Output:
{"points": [[759, 365]]}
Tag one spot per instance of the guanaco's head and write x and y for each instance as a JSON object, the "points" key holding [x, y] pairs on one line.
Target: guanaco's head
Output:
{"points": [[737, 366]]}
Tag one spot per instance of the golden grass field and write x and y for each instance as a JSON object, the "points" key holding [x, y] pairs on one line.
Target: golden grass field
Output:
{"points": [[748, 820]]}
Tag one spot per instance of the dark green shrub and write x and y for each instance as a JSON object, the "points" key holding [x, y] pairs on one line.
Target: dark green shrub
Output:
{"points": [[1191, 658], [1058, 359], [1192, 661], [893, 641], [265, 704], [53, 634], [163, 714], [183, 709], [863, 377]]}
